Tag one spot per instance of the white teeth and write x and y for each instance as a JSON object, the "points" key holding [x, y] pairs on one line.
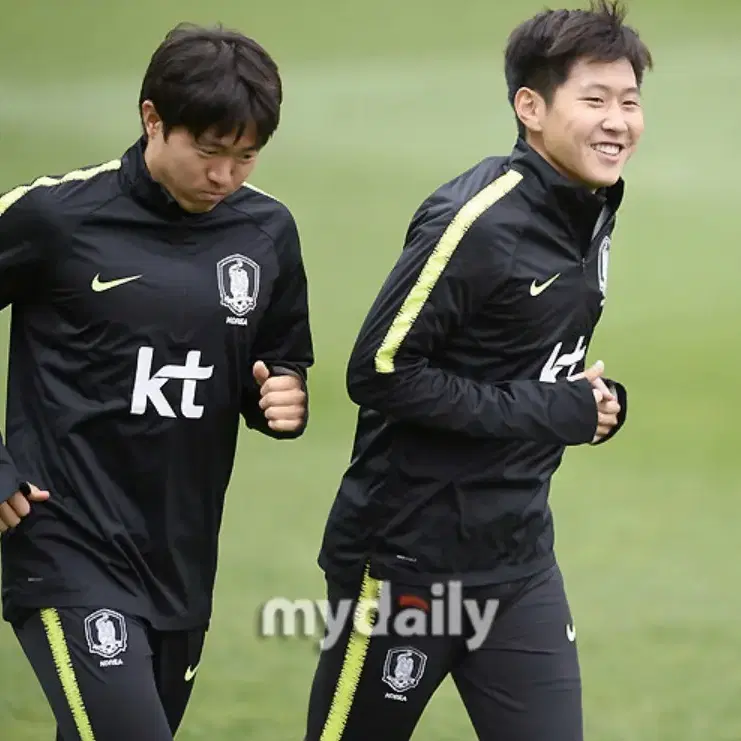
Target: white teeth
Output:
{"points": [[611, 149]]}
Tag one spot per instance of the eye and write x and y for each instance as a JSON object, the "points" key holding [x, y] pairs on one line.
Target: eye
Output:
{"points": [[631, 104], [593, 101]]}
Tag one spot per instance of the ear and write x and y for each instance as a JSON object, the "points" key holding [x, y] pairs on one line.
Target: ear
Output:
{"points": [[150, 119], [530, 109]]}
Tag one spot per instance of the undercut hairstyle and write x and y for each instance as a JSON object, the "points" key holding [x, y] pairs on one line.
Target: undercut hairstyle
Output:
{"points": [[213, 79]]}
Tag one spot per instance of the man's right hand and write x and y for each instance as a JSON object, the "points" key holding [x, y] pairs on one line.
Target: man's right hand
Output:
{"points": [[607, 403], [13, 510]]}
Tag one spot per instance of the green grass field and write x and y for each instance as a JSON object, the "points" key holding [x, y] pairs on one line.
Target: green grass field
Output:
{"points": [[384, 101]]}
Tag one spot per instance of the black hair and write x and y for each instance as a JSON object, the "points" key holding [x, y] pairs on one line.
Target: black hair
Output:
{"points": [[542, 50], [213, 79]]}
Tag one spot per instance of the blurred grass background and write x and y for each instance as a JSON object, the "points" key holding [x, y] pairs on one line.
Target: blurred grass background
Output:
{"points": [[384, 101]]}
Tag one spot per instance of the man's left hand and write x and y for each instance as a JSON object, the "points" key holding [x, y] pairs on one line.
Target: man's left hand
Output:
{"points": [[283, 399], [608, 407]]}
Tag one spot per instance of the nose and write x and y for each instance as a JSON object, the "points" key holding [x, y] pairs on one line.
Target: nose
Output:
{"points": [[221, 172], [615, 120]]}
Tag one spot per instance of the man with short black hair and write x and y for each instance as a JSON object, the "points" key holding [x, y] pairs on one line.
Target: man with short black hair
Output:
{"points": [[469, 374], [157, 298]]}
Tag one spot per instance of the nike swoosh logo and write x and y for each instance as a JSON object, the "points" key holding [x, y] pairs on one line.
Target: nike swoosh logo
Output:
{"points": [[571, 632], [536, 290], [190, 672], [99, 285]]}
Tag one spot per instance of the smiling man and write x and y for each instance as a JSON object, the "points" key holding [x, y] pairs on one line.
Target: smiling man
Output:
{"points": [[157, 300], [469, 372]]}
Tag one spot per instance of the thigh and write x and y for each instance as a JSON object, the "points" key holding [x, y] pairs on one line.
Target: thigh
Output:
{"points": [[373, 682], [523, 683], [95, 668], [177, 657]]}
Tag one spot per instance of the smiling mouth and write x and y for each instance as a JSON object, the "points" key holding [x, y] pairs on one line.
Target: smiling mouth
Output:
{"points": [[608, 148]]}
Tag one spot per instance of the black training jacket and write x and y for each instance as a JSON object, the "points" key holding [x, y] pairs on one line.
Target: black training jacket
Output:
{"points": [[134, 329], [462, 371]]}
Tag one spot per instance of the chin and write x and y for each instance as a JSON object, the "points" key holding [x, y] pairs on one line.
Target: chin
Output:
{"points": [[198, 207], [602, 179]]}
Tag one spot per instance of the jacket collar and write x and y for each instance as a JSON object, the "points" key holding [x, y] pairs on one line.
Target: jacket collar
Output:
{"points": [[139, 182], [564, 199]]}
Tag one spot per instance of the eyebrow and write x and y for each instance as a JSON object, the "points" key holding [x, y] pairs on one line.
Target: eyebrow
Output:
{"points": [[207, 141], [604, 88]]}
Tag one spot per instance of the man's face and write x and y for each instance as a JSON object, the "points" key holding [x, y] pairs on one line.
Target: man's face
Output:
{"points": [[199, 173], [594, 122]]}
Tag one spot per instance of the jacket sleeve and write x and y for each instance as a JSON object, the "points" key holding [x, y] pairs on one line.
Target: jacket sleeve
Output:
{"points": [[447, 270], [284, 340], [24, 234]]}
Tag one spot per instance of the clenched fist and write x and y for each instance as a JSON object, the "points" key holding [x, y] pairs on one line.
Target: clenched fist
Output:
{"points": [[13, 510], [283, 399], [608, 407]]}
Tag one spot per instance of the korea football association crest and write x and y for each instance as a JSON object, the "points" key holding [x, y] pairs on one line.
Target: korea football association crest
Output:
{"points": [[105, 632], [239, 283], [403, 668], [603, 260]]}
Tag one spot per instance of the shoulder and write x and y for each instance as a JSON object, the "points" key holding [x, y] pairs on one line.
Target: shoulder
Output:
{"points": [[265, 210], [49, 196], [477, 201], [271, 216]]}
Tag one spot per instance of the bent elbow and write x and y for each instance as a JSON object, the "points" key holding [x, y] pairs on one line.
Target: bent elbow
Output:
{"points": [[359, 387], [363, 383]]}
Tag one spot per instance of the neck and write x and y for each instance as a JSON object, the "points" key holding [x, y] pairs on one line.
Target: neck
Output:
{"points": [[151, 162], [160, 176]]}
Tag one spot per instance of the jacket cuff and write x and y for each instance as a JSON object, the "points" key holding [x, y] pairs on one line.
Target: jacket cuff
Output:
{"points": [[10, 482]]}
